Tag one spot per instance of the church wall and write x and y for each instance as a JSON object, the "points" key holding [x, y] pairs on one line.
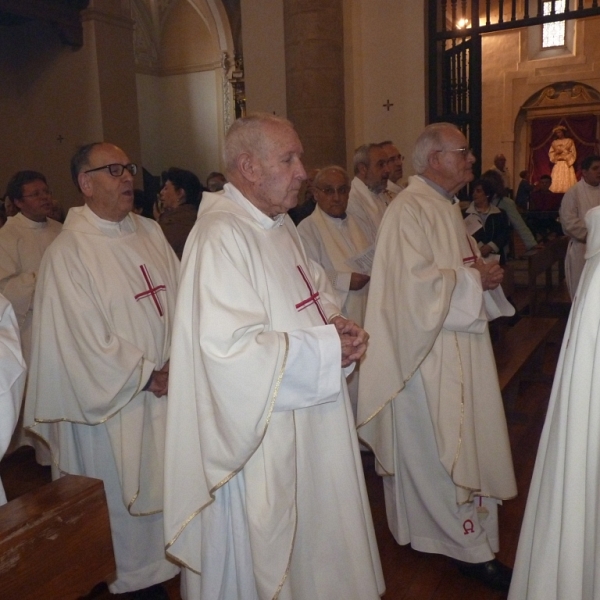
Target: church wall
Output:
{"points": [[514, 70], [264, 56], [385, 60], [180, 101], [47, 91], [54, 98], [180, 122]]}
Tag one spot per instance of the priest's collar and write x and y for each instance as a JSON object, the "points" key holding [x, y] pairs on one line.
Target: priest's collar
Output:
{"points": [[110, 228], [439, 189], [337, 220], [25, 222], [264, 220]]}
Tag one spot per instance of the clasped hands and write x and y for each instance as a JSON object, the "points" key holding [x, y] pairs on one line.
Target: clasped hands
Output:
{"points": [[159, 381], [491, 273], [352, 337]]}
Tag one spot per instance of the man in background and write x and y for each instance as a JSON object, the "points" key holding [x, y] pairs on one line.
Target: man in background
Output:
{"points": [[368, 200], [576, 202], [23, 241], [335, 240]]}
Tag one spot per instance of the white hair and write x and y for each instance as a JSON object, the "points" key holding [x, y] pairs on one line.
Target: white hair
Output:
{"points": [[247, 135], [331, 168], [431, 139]]}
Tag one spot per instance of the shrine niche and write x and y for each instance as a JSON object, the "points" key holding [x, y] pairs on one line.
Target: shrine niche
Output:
{"points": [[571, 108]]}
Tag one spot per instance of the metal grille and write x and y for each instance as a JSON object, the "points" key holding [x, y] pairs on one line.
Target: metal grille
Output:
{"points": [[454, 48]]}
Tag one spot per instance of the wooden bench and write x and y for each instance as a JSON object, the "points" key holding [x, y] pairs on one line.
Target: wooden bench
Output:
{"points": [[541, 261], [521, 349], [55, 542]]}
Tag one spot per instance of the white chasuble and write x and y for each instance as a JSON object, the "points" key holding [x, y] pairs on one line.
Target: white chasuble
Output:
{"points": [[264, 490], [366, 207], [427, 316], [12, 377], [331, 242], [101, 326], [573, 208], [22, 245], [558, 556]]}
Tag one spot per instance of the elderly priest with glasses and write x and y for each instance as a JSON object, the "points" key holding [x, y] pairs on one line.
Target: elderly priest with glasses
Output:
{"points": [[99, 372], [429, 403], [336, 241]]}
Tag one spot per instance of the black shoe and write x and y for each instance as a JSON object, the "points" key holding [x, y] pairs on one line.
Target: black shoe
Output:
{"points": [[154, 592], [491, 573]]}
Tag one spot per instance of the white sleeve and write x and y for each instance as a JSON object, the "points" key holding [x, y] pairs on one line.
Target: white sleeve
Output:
{"points": [[467, 309], [313, 372]]}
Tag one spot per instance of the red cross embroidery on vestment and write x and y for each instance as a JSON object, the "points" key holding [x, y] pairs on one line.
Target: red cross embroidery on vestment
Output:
{"points": [[312, 299], [152, 290], [473, 257]]}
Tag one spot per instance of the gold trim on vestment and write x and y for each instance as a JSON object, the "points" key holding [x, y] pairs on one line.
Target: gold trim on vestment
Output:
{"points": [[234, 473], [287, 570], [462, 408], [388, 401]]}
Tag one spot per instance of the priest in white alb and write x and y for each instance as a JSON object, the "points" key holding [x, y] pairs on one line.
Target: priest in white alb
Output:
{"points": [[99, 370], [580, 198], [264, 490], [12, 377], [368, 199], [335, 240], [23, 241], [396, 165], [429, 401]]}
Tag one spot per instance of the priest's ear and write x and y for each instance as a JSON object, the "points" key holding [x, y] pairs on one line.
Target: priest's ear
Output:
{"points": [[248, 166], [85, 184]]}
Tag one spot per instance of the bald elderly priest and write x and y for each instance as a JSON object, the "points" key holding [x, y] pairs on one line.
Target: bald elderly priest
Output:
{"points": [[265, 496]]}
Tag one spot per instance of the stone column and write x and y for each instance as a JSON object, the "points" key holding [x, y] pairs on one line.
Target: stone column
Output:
{"points": [[314, 58]]}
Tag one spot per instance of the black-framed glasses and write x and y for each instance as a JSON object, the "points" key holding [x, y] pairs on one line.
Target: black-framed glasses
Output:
{"points": [[331, 191], [116, 169], [464, 151]]}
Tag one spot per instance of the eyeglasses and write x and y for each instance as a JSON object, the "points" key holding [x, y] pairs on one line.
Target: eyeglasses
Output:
{"points": [[38, 194], [116, 169], [343, 190], [464, 151]]}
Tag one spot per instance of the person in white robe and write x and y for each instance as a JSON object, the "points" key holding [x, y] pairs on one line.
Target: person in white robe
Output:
{"points": [[558, 555], [335, 240], [396, 164], [582, 197], [23, 241], [264, 490], [99, 370], [368, 199], [12, 377], [429, 402]]}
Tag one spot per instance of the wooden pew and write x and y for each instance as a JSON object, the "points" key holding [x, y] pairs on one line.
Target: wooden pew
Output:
{"points": [[541, 261], [55, 542], [521, 351]]}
